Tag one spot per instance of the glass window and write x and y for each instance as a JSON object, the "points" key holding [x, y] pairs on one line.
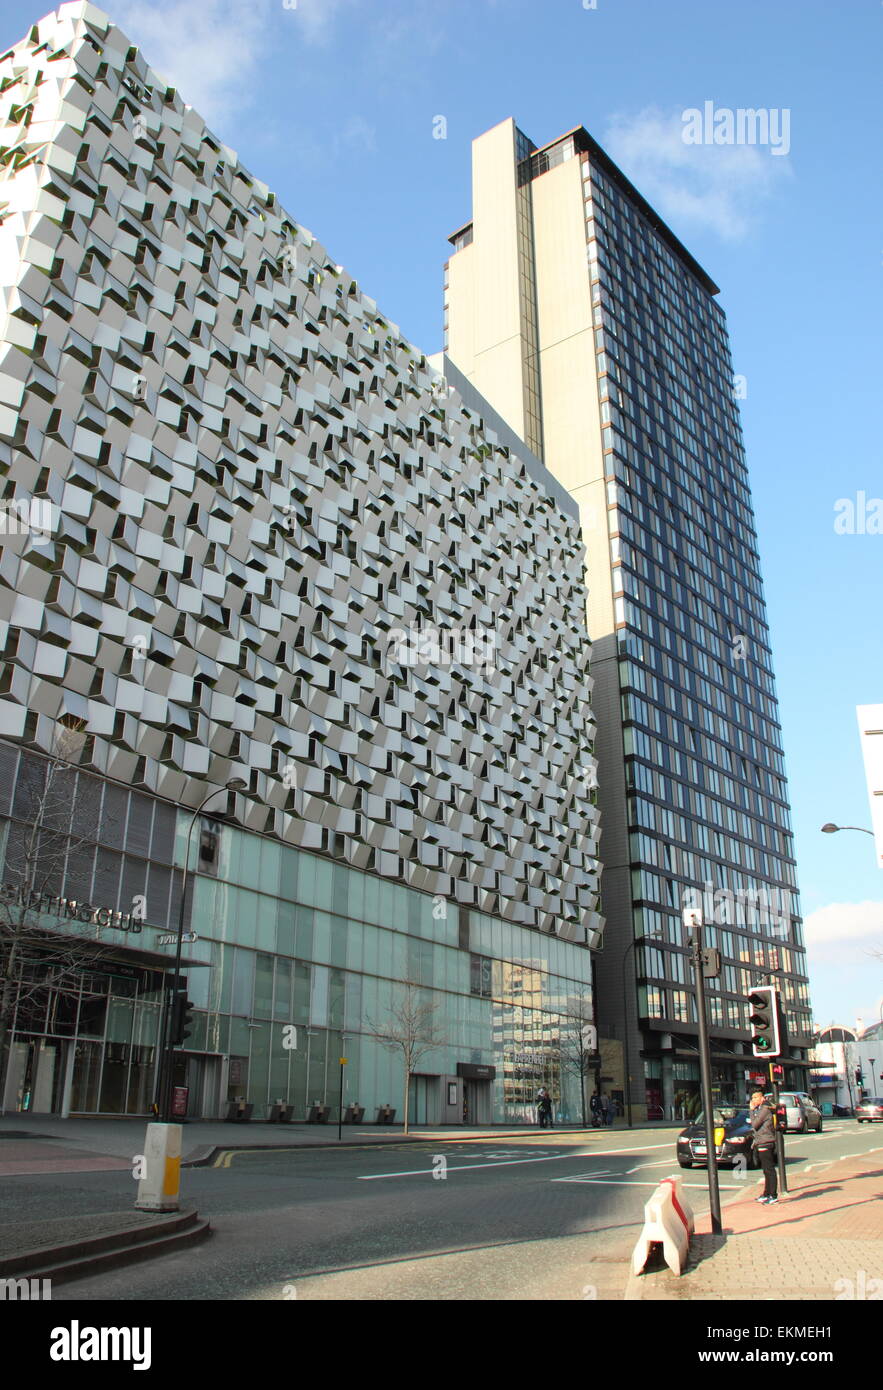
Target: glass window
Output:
{"points": [[370, 948], [338, 942], [319, 997], [285, 933], [301, 1000], [288, 875], [263, 988], [303, 936], [322, 936], [243, 983], [271, 866], [282, 996], [265, 924]]}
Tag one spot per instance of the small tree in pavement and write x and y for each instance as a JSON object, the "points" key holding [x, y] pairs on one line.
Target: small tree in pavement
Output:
{"points": [[410, 1029], [578, 1041]]}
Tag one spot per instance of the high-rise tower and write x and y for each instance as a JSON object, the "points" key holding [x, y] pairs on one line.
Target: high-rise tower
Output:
{"points": [[596, 335]]}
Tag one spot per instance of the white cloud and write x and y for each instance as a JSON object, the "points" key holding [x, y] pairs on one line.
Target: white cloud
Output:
{"points": [[314, 19], [845, 934], [357, 134], [210, 50], [719, 188]]}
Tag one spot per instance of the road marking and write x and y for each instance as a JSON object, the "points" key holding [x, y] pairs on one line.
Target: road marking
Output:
{"points": [[619, 1182], [508, 1162]]}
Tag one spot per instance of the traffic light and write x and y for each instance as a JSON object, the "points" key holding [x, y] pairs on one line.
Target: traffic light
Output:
{"points": [[764, 1018], [182, 1018]]}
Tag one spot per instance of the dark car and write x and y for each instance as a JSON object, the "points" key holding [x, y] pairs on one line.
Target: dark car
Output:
{"points": [[870, 1109], [736, 1138]]}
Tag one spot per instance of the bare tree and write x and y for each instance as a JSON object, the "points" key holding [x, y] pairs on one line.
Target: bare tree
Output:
{"points": [[410, 1029], [37, 962], [578, 1041]]}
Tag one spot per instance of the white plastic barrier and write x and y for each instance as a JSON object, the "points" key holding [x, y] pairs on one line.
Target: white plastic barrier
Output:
{"points": [[668, 1220]]}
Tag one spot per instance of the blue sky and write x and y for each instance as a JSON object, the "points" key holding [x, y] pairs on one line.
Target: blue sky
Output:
{"points": [[334, 104]]}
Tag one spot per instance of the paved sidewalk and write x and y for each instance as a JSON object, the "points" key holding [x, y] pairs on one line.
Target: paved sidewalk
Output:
{"points": [[822, 1240]]}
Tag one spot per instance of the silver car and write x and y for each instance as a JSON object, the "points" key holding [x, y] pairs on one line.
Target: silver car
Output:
{"points": [[801, 1112], [870, 1109]]}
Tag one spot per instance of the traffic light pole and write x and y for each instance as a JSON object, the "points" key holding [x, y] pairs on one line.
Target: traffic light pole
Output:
{"points": [[165, 1085], [696, 959], [780, 1137]]}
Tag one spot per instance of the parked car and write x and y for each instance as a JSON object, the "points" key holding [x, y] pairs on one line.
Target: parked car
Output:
{"points": [[841, 1112], [801, 1112], [735, 1140], [870, 1109]]}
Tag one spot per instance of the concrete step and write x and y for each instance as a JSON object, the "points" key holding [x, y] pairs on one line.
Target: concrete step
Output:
{"points": [[95, 1254]]}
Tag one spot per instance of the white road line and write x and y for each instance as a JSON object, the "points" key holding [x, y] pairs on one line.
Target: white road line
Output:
{"points": [[508, 1162]]}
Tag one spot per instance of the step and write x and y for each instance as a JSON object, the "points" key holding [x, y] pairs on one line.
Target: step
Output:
{"points": [[95, 1254]]}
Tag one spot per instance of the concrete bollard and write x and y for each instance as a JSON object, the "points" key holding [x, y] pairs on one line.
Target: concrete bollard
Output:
{"points": [[159, 1186]]}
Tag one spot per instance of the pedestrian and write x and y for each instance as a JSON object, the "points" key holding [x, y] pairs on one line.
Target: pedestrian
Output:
{"points": [[547, 1105], [605, 1108], [764, 1140], [541, 1106], [595, 1106], [611, 1110]]}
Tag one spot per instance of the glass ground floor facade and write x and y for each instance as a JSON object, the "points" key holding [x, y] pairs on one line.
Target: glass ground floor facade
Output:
{"points": [[674, 1089], [292, 961]]}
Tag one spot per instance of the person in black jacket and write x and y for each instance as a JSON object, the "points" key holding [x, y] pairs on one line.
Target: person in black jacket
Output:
{"points": [[765, 1146]]}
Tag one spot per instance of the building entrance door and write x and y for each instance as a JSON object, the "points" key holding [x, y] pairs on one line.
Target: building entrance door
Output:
{"points": [[423, 1101], [476, 1102], [36, 1076], [191, 1069]]}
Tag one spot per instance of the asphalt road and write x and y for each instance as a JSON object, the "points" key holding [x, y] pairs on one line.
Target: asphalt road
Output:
{"points": [[541, 1216]]}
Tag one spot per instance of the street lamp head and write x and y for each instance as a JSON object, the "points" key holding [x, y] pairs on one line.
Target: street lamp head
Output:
{"points": [[236, 784], [829, 829]]}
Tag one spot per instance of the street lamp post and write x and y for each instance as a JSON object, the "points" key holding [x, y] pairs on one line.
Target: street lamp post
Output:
{"points": [[830, 829], [165, 1089]]}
